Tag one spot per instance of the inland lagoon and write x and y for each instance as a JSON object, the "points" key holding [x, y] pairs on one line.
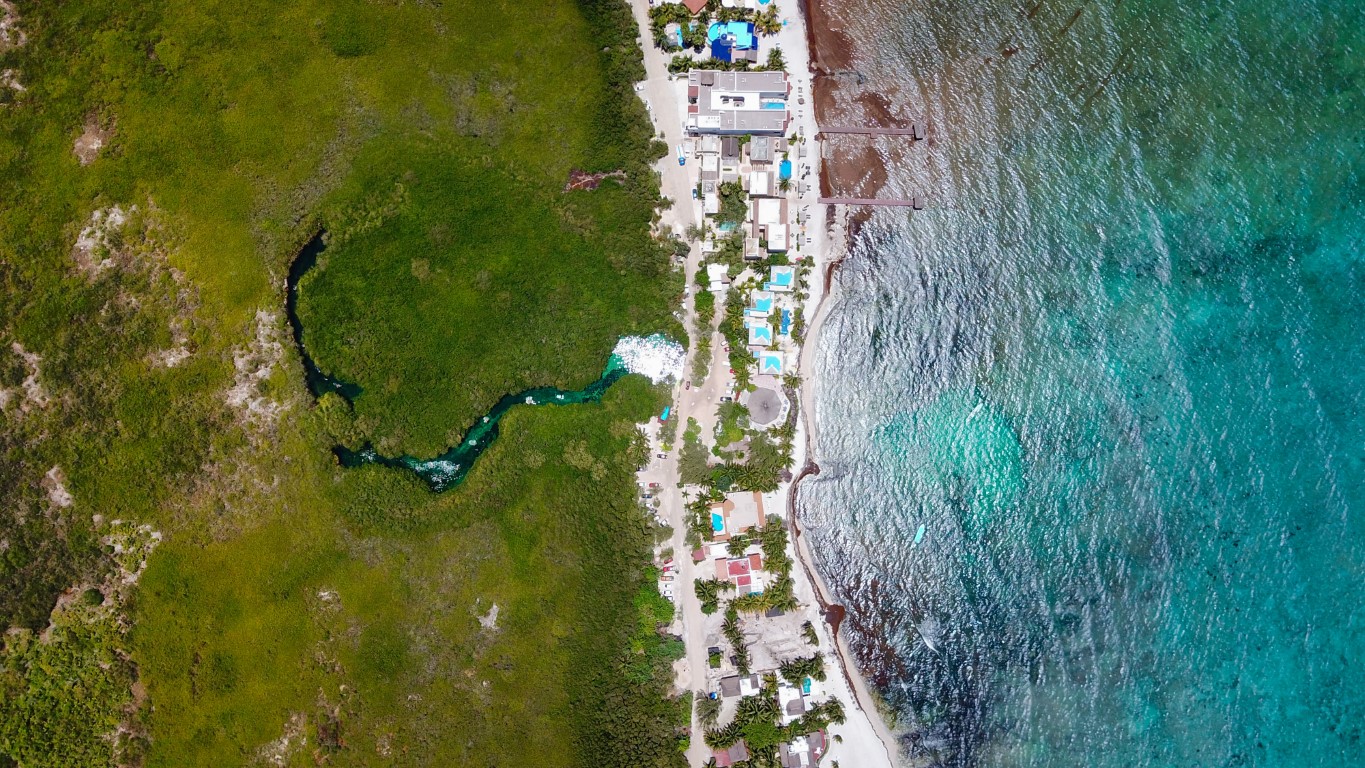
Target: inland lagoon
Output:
{"points": [[1115, 370]]}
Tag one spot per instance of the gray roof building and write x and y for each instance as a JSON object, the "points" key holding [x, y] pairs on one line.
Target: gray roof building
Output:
{"points": [[736, 103], [761, 149], [729, 150]]}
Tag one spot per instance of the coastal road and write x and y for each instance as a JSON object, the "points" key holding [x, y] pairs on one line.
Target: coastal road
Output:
{"points": [[666, 100]]}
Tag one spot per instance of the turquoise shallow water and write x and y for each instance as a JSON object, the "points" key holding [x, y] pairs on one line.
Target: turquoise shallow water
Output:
{"points": [[1116, 370]]}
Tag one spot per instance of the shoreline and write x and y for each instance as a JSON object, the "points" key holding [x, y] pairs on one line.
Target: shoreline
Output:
{"points": [[837, 228]]}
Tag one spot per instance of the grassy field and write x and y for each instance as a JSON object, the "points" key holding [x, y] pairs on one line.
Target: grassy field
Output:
{"points": [[293, 612]]}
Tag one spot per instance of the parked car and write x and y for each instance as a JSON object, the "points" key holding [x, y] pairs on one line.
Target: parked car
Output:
{"points": [[663, 455], [687, 385], [727, 399]]}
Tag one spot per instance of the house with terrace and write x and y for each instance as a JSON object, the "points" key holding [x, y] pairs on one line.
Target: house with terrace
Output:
{"points": [[736, 103]]}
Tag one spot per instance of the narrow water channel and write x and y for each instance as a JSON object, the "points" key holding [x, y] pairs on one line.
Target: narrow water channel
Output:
{"points": [[318, 382], [448, 469]]}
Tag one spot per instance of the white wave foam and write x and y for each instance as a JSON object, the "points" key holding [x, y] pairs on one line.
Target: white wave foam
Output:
{"points": [[656, 357]]}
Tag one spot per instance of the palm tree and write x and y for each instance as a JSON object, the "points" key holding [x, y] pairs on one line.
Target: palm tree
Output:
{"points": [[767, 22]]}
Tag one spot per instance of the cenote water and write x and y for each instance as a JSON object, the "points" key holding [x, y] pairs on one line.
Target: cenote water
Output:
{"points": [[318, 382], [448, 469], [654, 356], [1117, 371]]}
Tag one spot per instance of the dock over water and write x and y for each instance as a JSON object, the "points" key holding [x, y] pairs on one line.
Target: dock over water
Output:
{"points": [[915, 202]]}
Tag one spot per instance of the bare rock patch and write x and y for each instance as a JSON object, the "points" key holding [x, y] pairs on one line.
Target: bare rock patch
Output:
{"points": [[254, 363], [92, 140]]}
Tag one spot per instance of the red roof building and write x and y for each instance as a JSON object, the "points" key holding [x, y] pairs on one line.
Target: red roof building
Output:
{"points": [[695, 6]]}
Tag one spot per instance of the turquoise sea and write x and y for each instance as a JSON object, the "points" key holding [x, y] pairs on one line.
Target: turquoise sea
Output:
{"points": [[1117, 370]]}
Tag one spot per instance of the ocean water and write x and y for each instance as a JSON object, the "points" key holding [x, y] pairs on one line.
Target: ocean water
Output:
{"points": [[1117, 370]]}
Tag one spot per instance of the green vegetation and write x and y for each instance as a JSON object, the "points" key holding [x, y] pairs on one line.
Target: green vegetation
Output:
{"points": [[734, 203], [736, 639], [694, 466], [808, 632], [757, 722], [149, 377], [708, 710], [734, 420], [796, 670], [706, 312], [709, 593], [776, 63], [693, 30]]}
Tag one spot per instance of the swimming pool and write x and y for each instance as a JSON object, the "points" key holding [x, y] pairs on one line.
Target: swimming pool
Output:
{"points": [[784, 169], [743, 32], [717, 522]]}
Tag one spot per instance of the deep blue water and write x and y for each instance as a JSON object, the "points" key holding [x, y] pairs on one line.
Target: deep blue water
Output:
{"points": [[1117, 370]]}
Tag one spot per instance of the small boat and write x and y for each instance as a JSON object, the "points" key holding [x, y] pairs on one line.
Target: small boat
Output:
{"points": [[919, 535]]}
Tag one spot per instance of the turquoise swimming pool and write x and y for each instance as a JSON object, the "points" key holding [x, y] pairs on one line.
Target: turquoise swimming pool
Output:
{"points": [[717, 522]]}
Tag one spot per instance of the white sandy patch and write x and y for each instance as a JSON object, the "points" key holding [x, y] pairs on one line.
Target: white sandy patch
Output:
{"points": [[254, 364], [656, 357], [35, 396], [55, 483], [131, 546], [93, 250], [490, 620], [295, 737], [91, 140], [9, 78], [11, 34]]}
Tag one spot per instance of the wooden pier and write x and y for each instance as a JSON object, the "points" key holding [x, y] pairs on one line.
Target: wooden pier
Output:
{"points": [[916, 131], [915, 202]]}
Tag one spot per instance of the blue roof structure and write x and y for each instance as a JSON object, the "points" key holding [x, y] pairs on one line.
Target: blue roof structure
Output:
{"points": [[770, 363], [763, 303], [720, 49], [780, 279], [728, 37], [741, 34], [760, 335]]}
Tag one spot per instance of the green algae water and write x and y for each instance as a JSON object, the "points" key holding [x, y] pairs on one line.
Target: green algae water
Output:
{"points": [[1117, 371]]}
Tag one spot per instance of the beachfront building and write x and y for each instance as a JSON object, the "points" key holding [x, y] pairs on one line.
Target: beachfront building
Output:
{"points": [[744, 573], [761, 150], [761, 308], [767, 404], [760, 333], [760, 184], [737, 513], [777, 238], [781, 280], [736, 103], [769, 216], [732, 41], [717, 277], [729, 151], [736, 753], [770, 363]]}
